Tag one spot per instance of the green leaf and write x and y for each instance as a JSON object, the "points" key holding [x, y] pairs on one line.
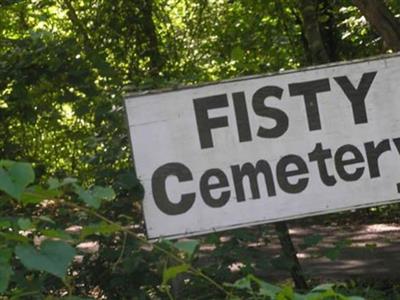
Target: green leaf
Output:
{"points": [[237, 53], [174, 271], [187, 246], [334, 252], [286, 293], [36, 194], [53, 257], [5, 274], [87, 197], [54, 183], [95, 196], [15, 177], [6, 163], [128, 180], [24, 224], [266, 289], [243, 283], [56, 233], [5, 255], [46, 219], [4, 224], [13, 236], [5, 268], [103, 193], [22, 174], [323, 287], [100, 228], [6, 184]]}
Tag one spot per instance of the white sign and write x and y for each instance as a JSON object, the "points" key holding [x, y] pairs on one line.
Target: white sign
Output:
{"points": [[268, 148]]}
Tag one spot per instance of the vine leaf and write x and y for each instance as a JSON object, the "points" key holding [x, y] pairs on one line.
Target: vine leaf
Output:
{"points": [[172, 272], [187, 246], [15, 177], [53, 257], [95, 196], [5, 274], [5, 269]]}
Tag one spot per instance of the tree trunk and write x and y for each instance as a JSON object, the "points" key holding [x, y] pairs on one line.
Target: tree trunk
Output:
{"points": [[382, 20], [290, 253], [149, 30], [315, 44]]}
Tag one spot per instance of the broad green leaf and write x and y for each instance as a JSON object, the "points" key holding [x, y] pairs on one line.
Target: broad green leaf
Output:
{"points": [[242, 283], [36, 194], [266, 289], [56, 233], [128, 180], [323, 287], [297, 296], [167, 243], [100, 228], [174, 271], [5, 268], [326, 294], [187, 246], [4, 224], [46, 219], [15, 178], [285, 293], [54, 183], [95, 196], [13, 236], [6, 163], [103, 193], [6, 184], [5, 255], [24, 223], [22, 174], [5, 274], [87, 197], [53, 257]]}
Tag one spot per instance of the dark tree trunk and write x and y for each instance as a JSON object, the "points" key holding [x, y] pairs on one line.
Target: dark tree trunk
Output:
{"points": [[149, 30], [382, 20], [315, 44], [290, 253], [328, 30]]}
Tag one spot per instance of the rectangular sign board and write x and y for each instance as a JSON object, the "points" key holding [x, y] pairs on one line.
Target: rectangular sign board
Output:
{"points": [[268, 148]]}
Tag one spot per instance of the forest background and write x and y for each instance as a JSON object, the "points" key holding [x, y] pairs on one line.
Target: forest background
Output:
{"points": [[67, 175]]}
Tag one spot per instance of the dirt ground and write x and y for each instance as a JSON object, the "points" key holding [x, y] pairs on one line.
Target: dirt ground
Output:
{"points": [[371, 251]]}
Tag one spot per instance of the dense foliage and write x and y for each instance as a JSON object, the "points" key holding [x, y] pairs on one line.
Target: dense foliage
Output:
{"points": [[64, 66]]}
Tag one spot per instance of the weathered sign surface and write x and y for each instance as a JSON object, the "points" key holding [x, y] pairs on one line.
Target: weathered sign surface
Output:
{"points": [[268, 148]]}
